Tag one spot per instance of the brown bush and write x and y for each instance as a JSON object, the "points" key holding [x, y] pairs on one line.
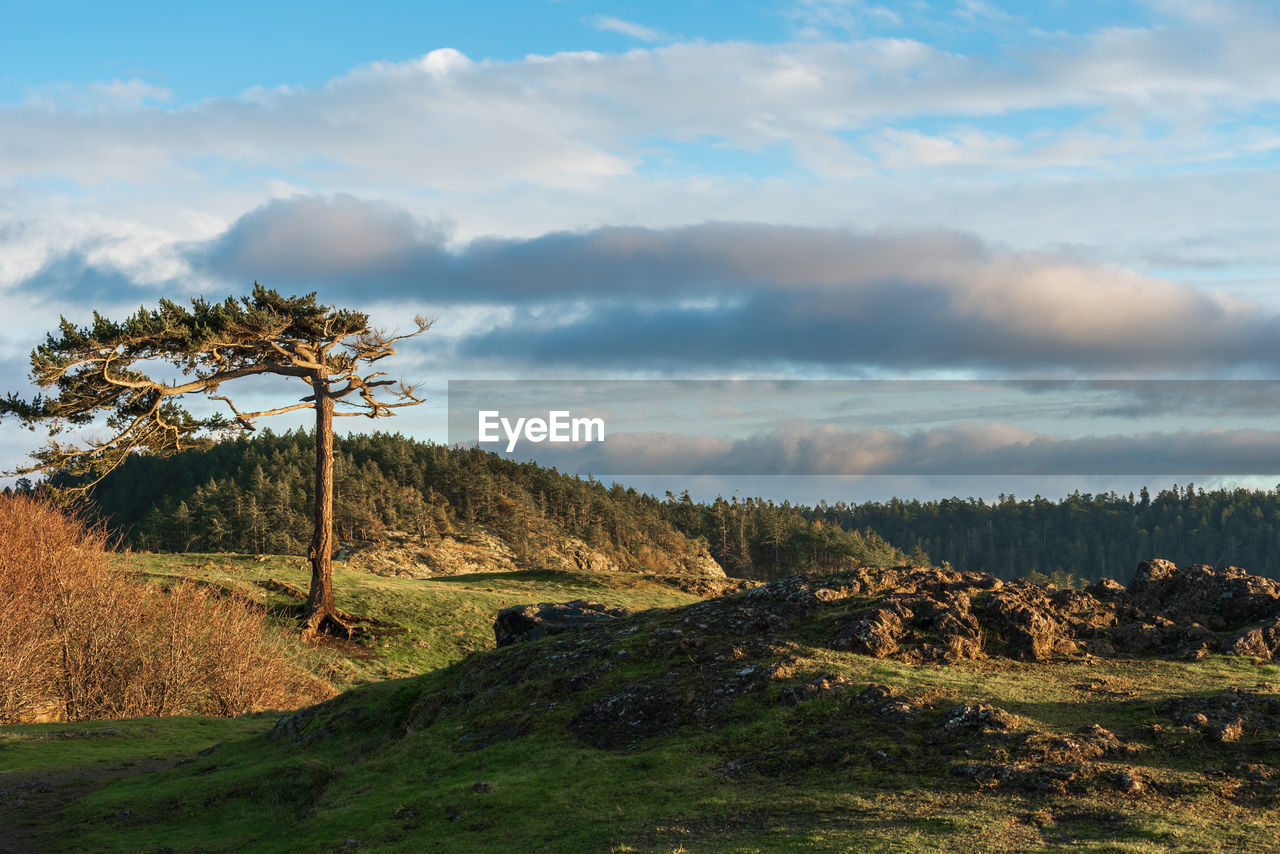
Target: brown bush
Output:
{"points": [[81, 640]]}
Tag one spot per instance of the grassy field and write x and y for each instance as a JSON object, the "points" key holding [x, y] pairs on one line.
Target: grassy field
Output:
{"points": [[536, 746], [367, 774], [45, 766], [442, 619]]}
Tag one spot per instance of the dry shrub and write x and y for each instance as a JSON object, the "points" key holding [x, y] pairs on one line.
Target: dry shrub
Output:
{"points": [[224, 658], [38, 548], [81, 640]]}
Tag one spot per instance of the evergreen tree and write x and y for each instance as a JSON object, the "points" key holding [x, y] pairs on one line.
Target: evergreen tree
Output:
{"points": [[103, 369]]}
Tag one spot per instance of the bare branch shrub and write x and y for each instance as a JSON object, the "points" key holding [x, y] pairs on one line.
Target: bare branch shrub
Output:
{"points": [[81, 640]]}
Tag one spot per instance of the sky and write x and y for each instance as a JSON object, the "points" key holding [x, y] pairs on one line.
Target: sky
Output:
{"points": [[778, 190]]}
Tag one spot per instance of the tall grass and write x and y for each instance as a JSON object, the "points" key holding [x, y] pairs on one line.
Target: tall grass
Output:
{"points": [[80, 640]]}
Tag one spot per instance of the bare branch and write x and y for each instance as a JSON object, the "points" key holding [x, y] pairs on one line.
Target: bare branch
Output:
{"points": [[246, 418]]}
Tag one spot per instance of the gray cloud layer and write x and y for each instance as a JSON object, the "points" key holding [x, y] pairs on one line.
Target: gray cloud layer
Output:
{"points": [[728, 295], [725, 296]]}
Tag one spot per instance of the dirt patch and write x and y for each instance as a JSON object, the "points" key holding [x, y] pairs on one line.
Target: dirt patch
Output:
{"points": [[32, 802], [1230, 716]]}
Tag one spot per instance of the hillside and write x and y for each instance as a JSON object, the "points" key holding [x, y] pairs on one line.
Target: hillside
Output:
{"points": [[444, 510], [427, 623], [914, 709], [252, 496]]}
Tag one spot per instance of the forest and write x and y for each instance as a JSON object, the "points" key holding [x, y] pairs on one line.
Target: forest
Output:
{"points": [[1084, 535], [253, 495]]}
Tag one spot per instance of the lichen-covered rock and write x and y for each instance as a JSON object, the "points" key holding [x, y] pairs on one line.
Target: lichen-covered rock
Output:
{"points": [[1228, 596], [876, 693], [1105, 588], [530, 622], [1136, 638], [1248, 642], [963, 719], [1023, 616], [930, 614], [1225, 717], [1096, 740], [876, 635], [825, 683]]}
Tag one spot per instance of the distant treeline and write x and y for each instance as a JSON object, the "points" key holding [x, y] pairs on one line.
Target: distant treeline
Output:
{"points": [[757, 538], [254, 495], [1090, 536]]}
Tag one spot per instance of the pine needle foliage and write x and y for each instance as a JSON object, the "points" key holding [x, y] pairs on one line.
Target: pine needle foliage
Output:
{"points": [[136, 372]]}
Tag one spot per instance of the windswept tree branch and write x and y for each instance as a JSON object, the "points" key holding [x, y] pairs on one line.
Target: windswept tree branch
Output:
{"points": [[101, 369], [246, 419]]}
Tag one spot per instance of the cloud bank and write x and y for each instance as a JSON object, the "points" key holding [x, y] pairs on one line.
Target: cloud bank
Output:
{"points": [[720, 296], [970, 449], [836, 107]]}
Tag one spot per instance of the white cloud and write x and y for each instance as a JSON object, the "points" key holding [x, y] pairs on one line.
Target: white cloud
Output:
{"points": [[447, 122], [129, 93], [730, 295], [101, 96], [1120, 151], [978, 11], [567, 141], [814, 19], [963, 146], [609, 24], [971, 449]]}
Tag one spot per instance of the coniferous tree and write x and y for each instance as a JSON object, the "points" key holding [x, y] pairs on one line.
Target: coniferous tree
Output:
{"points": [[108, 368]]}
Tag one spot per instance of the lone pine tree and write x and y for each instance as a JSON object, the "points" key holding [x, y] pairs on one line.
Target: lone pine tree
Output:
{"points": [[112, 368]]}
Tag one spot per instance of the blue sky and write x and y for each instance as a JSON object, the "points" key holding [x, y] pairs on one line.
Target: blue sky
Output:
{"points": [[837, 189], [205, 50]]}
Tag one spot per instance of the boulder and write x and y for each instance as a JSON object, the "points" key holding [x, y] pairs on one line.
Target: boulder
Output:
{"points": [[530, 622], [1021, 615], [797, 694], [1229, 595], [877, 635]]}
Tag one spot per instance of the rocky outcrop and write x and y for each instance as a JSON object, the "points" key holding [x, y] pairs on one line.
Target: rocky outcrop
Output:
{"points": [[702, 564], [1217, 598], [1225, 717], [530, 622], [932, 614], [706, 586], [823, 684], [477, 549], [403, 556], [622, 682]]}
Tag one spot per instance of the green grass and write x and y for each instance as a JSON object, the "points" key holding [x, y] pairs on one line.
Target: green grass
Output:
{"points": [[33, 748], [395, 772], [45, 766], [443, 619], [479, 752]]}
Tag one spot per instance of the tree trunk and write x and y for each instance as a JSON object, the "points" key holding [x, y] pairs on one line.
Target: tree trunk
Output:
{"points": [[322, 616]]}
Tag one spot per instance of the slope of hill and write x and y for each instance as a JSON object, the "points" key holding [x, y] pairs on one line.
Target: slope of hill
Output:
{"points": [[778, 719], [428, 623], [254, 495], [450, 510]]}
